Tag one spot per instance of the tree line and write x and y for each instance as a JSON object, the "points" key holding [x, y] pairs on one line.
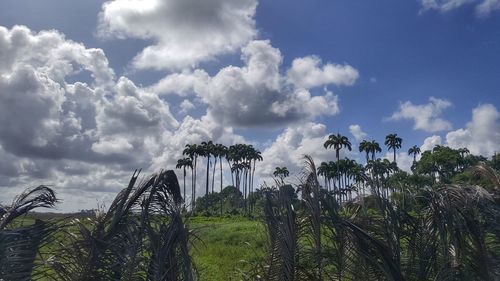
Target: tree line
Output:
{"points": [[345, 178], [241, 160]]}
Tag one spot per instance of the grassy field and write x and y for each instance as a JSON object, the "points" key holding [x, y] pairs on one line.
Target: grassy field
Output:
{"points": [[226, 246], [222, 247]]}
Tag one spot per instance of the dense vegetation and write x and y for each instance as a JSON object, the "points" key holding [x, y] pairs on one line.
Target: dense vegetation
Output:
{"points": [[343, 221]]}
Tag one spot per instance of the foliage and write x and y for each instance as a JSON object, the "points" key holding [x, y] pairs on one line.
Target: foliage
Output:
{"points": [[141, 237], [19, 245], [343, 221], [414, 230]]}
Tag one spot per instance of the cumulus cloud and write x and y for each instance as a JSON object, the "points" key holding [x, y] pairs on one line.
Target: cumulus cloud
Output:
{"points": [[307, 73], [426, 116], [86, 137], [357, 132], [431, 142], [289, 148], [482, 7], [257, 93], [184, 83], [487, 7], [184, 33], [186, 106], [481, 135], [402, 158], [52, 130]]}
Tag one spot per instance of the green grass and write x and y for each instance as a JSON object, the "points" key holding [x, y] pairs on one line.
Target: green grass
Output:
{"points": [[222, 247], [226, 247]]}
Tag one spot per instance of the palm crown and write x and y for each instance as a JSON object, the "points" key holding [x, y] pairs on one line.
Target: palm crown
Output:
{"points": [[392, 141]]}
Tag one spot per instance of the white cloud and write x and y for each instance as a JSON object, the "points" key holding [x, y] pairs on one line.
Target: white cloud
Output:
{"points": [[443, 5], [184, 33], [403, 160], [357, 132], [183, 84], [430, 143], [481, 135], [112, 145], [255, 94], [289, 148], [307, 73], [487, 7], [186, 106], [483, 7], [71, 135], [85, 138], [425, 116]]}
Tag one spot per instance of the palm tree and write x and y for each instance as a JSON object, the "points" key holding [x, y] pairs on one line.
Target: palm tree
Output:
{"points": [[392, 141], [463, 151], [415, 150], [374, 148], [338, 142], [324, 170], [221, 152], [255, 156], [193, 151], [282, 173], [183, 164], [364, 145], [207, 148], [215, 152]]}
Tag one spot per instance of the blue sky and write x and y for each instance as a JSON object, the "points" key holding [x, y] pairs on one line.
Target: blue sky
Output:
{"points": [[279, 74]]}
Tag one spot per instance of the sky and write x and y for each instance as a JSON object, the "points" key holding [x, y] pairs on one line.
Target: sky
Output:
{"points": [[92, 90]]}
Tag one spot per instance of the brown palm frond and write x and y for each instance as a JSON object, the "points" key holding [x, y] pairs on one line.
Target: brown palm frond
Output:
{"points": [[19, 247], [141, 233], [38, 197], [483, 170]]}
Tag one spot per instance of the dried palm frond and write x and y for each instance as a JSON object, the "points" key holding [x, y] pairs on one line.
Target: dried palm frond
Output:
{"points": [[141, 237], [489, 173], [283, 230], [19, 247], [38, 197]]}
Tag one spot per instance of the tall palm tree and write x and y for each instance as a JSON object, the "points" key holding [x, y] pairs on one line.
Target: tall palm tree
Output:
{"points": [[216, 154], [392, 141], [365, 146], [463, 151], [207, 151], [338, 142], [324, 170], [232, 157], [415, 150], [193, 151], [374, 148], [221, 152], [183, 164], [255, 156], [282, 173]]}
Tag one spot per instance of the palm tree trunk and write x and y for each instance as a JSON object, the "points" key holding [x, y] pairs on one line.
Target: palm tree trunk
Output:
{"points": [[220, 164], [213, 173], [253, 177], [208, 170], [193, 194], [184, 196], [338, 159], [232, 175], [245, 188]]}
